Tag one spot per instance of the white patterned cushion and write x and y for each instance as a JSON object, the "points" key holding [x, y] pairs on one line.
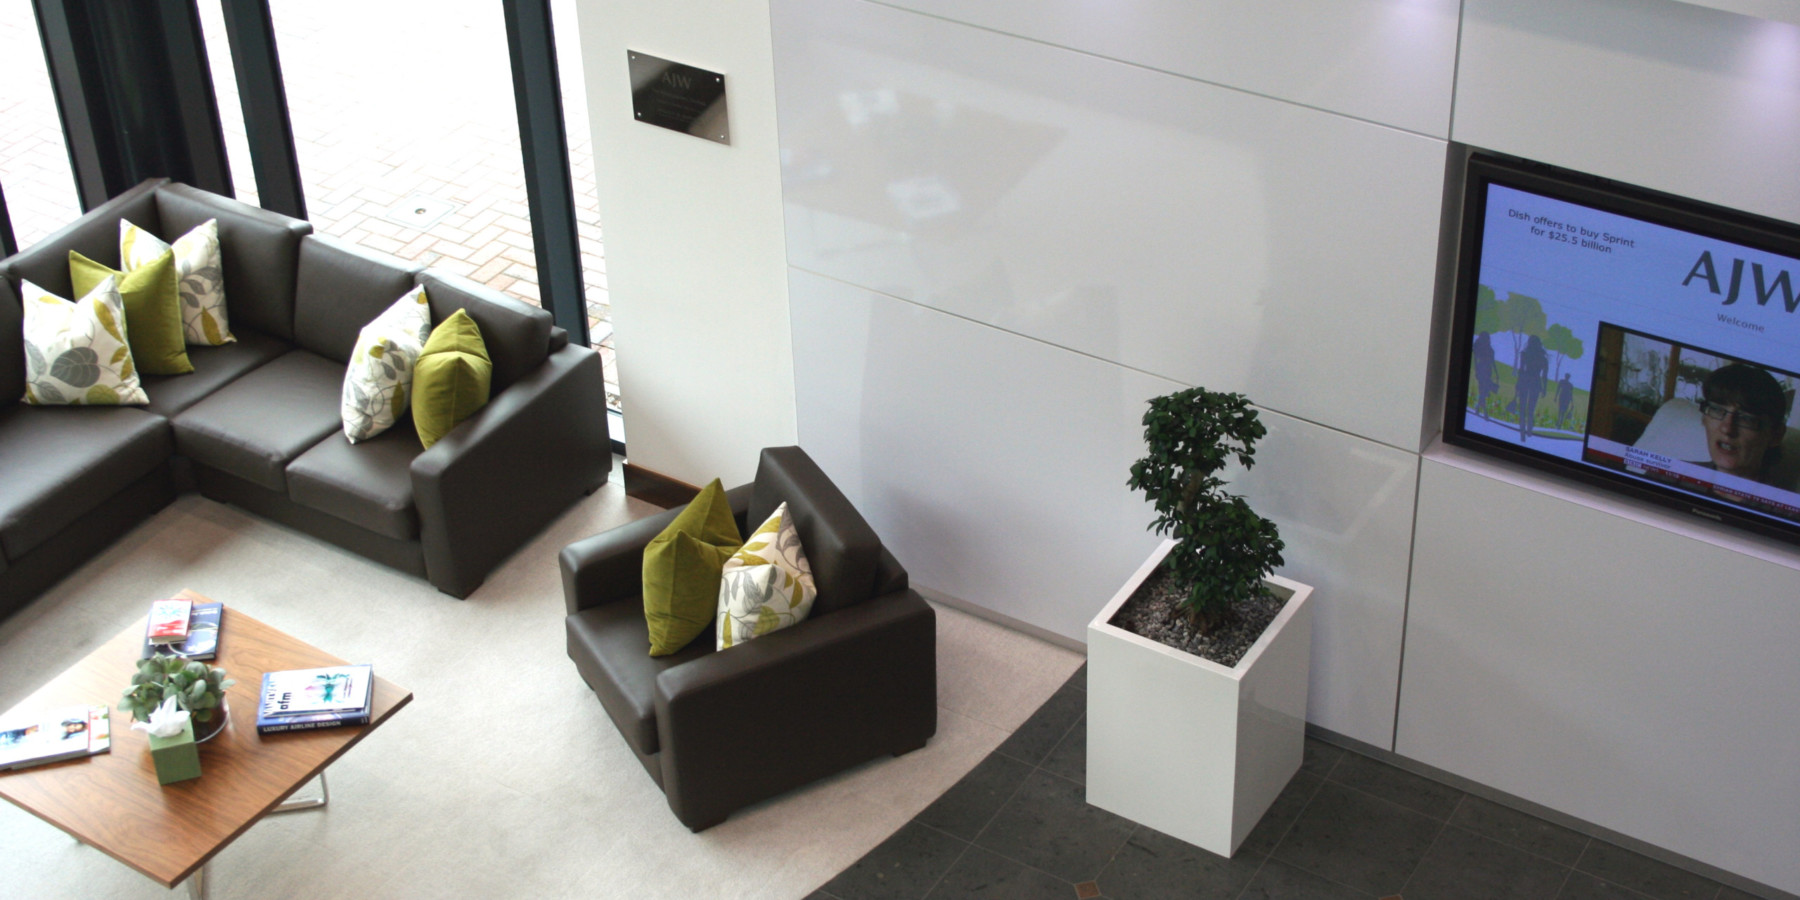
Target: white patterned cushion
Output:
{"points": [[767, 585], [76, 353], [378, 383], [201, 270]]}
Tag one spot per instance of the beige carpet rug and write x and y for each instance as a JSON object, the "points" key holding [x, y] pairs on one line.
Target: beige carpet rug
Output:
{"points": [[503, 778]]}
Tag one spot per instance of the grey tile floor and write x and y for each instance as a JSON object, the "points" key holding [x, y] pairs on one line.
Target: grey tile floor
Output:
{"points": [[1346, 827]]}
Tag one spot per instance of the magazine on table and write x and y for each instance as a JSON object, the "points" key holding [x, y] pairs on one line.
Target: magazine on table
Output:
{"points": [[168, 621], [330, 689], [202, 640], [31, 739]]}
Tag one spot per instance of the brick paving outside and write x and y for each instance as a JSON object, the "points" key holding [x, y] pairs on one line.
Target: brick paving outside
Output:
{"points": [[415, 101]]}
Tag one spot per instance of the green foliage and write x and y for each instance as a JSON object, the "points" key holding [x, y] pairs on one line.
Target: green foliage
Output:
{"points": [[1559, 339], [1223, 549], [1487, 311], [196, 687], [1522, 316]]}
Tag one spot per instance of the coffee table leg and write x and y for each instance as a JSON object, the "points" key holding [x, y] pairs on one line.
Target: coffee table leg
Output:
{"points": [[196, 883], [309, 803]]}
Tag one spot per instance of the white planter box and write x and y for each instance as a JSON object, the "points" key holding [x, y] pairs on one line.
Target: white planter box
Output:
{"points": [[1187, 746]]}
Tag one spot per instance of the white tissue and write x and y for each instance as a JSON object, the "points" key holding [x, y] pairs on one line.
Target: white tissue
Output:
{"points": [[165, 720]]}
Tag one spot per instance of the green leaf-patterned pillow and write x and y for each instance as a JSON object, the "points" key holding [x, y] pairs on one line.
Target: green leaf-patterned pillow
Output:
{"points": [[201, 268], [767, 585], [76, 353], [378, 382]]}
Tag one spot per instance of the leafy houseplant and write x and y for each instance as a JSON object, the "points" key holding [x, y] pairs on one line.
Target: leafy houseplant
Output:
{"points": [[1223, 548], [1197, 737], [196, 687]]}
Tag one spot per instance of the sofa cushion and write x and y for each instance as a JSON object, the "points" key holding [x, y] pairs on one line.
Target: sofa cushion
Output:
{"points": [[378, 383], [201, 283], [258, 249], [214, 367], [64, 462], [368, 483], [767, 585], [453, 378], [75, 353], [95, 235], [517, 336], [254, 426], [607, 644], [681, 570], [152, 295], [341, 288]]}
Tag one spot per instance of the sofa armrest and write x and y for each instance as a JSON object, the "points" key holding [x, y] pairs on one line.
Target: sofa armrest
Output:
{"points": [[609, 566], [787, 708], [499, 477]]}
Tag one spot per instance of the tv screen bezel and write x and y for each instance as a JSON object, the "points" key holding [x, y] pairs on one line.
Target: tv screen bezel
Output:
{"points": [[1657, 208]]}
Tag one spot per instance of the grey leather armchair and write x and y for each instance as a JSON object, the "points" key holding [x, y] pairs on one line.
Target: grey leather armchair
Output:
{"points": [[719, 730]]}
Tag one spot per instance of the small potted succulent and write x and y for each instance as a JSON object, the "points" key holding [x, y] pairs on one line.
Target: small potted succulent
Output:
{"points": [[195, 686], [1198, 666]]}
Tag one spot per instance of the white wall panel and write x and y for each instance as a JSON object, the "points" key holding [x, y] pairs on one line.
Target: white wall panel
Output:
{"points": [[1599, 662], [1672, 96], [1345, 509], [694, 259], [1388, 61], [992, 465], [995, 467], [1193, 232]]}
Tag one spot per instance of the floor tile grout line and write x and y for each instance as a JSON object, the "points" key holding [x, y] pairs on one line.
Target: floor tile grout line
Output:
{"points": [[949, 868], [1565, 882], [1407, 881], [1018, 862], [1287, 831], [1512, 846], [1398, 805]]}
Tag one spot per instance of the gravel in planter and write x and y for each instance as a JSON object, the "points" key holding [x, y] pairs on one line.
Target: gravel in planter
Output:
{"points": [[1154, 611]]}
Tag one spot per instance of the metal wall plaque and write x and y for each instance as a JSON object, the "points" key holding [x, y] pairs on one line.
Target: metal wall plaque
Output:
{"points": [[679, 97]]}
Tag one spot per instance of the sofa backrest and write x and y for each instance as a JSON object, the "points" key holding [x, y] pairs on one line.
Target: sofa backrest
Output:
{"points": [[259, 252], [12, 346], [842, 549], [94, 235], [517, 336], [339, 288]]}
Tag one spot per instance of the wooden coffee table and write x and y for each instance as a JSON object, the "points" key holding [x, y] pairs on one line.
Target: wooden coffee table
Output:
{"points": [[112, 801]]}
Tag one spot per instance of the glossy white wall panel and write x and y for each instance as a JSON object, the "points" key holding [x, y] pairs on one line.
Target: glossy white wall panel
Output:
{"points": [[1196, 233], [1672, 96], [1777, 10], [1607, 667], [1345, 509], [995, 467], [1389, 61]]}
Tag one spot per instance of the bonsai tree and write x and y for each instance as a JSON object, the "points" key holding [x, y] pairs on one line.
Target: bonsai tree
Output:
{"points": [[1222, 548], [196, 687]]}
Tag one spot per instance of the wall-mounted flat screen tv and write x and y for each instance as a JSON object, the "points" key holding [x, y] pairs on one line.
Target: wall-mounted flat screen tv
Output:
{"points": [[1631, 339]]}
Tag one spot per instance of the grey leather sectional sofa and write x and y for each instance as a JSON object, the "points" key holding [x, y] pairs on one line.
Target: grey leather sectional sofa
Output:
{"points": [[257, 423]]}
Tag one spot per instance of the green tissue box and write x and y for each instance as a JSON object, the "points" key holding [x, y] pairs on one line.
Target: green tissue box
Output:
{"points": [[177, 757]]}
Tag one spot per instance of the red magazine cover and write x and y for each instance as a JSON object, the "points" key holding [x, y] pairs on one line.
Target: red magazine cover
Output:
{"points": [[169, 621]]}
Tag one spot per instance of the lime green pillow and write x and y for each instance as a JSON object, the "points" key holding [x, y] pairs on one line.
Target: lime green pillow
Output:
{"points": [[682, 568], [152, 310], [451, 378]]}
